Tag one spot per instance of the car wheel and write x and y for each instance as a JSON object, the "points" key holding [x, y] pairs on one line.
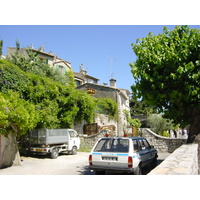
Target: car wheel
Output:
{"points": [[100, 172], [138, 170], [154, 162], [54, 153]]}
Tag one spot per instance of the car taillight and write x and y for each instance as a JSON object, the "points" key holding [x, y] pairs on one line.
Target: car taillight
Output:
{"points": [[130, 162], [90, 159]]}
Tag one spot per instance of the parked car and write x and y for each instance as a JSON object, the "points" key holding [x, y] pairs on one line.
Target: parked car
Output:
{"points": [[122, 154]]}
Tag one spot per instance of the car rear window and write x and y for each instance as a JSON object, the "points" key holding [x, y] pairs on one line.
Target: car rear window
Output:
{"points": [[112, 145]]}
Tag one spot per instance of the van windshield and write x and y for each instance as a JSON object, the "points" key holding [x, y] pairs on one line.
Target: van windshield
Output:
{"points": [[112, 145]]}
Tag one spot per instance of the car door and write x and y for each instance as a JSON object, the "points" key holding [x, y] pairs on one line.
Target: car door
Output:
{"points": [[148, 150], [144, 152], [152, 151], [74, 140]]}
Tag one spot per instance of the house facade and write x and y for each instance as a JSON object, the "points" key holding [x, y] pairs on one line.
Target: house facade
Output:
{"points": [[52, 60], [82, 77], [120, 96]]}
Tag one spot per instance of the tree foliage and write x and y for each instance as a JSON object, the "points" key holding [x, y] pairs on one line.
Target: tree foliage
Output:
{"points": [[159, 124], [132, 122], [167, 74], [107, 106], [16, 115], [139, 107], [30, 101], [56, 105]]}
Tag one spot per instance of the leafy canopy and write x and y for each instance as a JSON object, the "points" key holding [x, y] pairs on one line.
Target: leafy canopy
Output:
{"points": [[107, 106], [159, 124], [17, 115], [55, 105], [167, 72], [30, 101]]}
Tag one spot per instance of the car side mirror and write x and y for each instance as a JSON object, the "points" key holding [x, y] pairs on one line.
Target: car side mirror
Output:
{"points": [[152, 146], [143, 148]]}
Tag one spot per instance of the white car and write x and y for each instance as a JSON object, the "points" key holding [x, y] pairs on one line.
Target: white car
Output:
{"points": [[122, 154]]}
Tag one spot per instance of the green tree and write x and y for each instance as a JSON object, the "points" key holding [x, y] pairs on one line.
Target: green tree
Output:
{"points": [[57, 105], [159, 124], [167, 74], [132, 122], [139, 107], [75, 107], [107, 106], [16, 115]]}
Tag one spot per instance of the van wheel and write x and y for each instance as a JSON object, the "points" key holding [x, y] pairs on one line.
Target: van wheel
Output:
{"points": [[138, 170], [54, 153], [74, 151]]}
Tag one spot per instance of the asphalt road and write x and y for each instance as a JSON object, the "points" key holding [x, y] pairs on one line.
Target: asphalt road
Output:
{"points": [[63, 165]]}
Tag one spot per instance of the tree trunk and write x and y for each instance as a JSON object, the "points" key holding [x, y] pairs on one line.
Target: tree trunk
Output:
{"points": [[194, 127]]}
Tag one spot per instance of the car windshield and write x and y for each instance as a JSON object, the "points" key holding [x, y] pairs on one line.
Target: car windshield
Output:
{"points": [[112, 145]]}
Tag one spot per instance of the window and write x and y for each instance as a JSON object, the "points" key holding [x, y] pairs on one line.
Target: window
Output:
{"points": [[61, 69], [140, 145], [113, 145], [146, 144], [72, 134], [44, 60], [135, 145], [78, 83]]}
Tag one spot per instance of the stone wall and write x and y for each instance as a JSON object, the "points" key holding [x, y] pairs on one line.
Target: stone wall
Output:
{"points": [[89, 141], [183, 161], [101, 120], [162, 144], [9, 153]]}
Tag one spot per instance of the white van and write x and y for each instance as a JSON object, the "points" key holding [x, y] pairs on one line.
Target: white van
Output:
{"points": [[54, 141], [121, 154]]}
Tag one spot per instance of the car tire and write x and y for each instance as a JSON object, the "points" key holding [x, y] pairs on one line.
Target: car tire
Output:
{"points": [[138, 170], [154, 162], [54, 153], [100, 172]]}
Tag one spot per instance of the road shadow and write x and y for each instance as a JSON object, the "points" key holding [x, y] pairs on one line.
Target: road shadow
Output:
{"points": [[84, 170]]}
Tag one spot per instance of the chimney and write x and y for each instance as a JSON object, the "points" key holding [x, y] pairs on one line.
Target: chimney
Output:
{"points": [[82, 70], [113, 82], [42, 49]]}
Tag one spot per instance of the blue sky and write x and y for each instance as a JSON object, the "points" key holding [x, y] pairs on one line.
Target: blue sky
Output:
{"points": [[104, 50]]}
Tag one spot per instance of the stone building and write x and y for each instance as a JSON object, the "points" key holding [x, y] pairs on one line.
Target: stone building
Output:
{"points": [[120, 96], [52, 60], [82, 77]]}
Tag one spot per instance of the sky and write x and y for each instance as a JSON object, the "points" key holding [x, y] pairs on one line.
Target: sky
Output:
{"points": [[104, 50]]}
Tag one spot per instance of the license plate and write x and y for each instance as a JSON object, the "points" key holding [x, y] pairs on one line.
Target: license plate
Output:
{"points": [[38, 150], [109, 158]]}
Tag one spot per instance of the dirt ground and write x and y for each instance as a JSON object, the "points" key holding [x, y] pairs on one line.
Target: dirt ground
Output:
{"points": [[63, 165]]}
